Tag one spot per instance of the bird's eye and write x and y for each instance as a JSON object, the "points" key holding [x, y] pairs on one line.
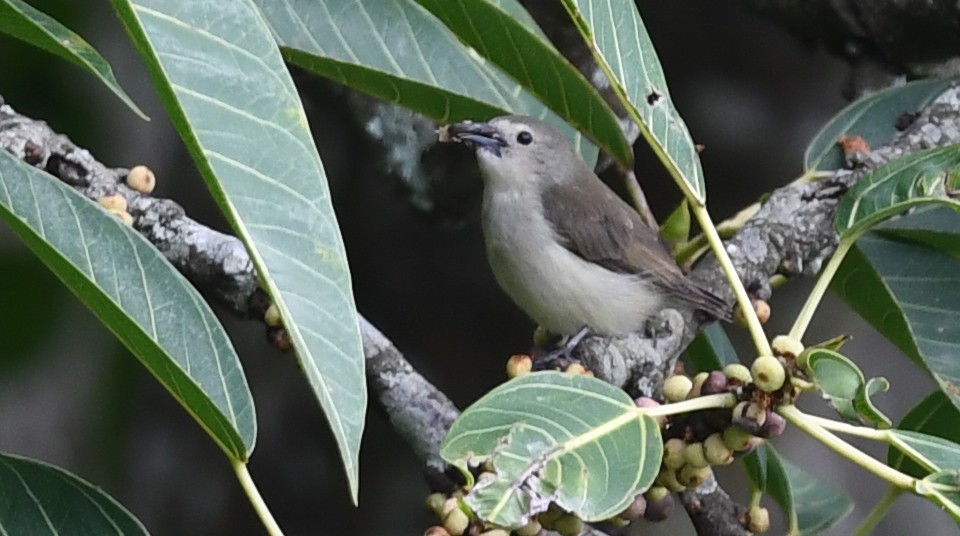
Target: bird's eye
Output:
{"points": [[524, 137]]}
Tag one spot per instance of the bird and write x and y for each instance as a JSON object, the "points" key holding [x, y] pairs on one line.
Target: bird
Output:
{"points": [[563, 246]]}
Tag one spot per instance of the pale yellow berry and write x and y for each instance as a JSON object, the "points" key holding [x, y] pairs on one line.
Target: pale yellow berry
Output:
{"points": [[576, 369], [786, 346], [530, 529], [676, 388], [739, 373], [456, 522], [272, 317], [519, 365], [124, 216], [113, 202], [758, 519], [141, 179], [673, 453], [435, 502], [768, 373]]}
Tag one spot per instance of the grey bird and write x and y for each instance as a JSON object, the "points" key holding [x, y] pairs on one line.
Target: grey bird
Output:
{"points": [[569, 251]]}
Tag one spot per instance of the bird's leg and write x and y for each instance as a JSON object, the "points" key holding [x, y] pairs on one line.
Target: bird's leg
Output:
{"points": [[560, 353]]}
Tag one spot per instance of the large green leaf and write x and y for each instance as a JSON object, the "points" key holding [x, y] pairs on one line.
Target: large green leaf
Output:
{"points": [[224, 83], [919, 178], [418, 63], [811, 506], [138, 295], [39, 499], [935, 416], [910, 293], [573, 440], [623, 49], [23, 21], [935, 226], [874, 118], [533, 62]]}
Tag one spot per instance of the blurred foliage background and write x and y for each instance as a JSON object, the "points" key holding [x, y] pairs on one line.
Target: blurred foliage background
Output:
{"points": [[70, 394]]}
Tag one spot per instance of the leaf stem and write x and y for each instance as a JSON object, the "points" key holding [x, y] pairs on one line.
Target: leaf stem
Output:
{"points": [[877, 512], [849, 429], [722, 400], [637, 197], [809, 425], [746, 305], [253, 495], [820, 288]]}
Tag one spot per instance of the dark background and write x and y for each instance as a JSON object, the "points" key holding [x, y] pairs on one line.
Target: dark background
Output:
{"points": [[72, 396]]}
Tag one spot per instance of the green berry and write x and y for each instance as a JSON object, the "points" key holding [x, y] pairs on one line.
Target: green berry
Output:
{"points": [[698, 380], [568, 525], [676, 388], [667, 478], [530, 529], [716, 451], [768, 373], [695, 456], [694, 477], [736, 438], [673, 453]]}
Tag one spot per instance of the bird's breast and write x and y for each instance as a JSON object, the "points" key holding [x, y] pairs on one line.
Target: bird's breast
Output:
{"points": [[558, 289]]}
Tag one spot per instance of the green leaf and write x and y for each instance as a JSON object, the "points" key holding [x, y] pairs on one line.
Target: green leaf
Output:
{"points": [[933, 453], [37, 498], [711, 350], [949, 498], [863, 404], [935, 226], [532, 61], [615, 33], [837, 378], [138, 295], [873, 118], [915, 179], [811, 506], [417, 63], [676, 228], [573, 440], [910, 294], [935, 416], [23, 21], [222, 80]]}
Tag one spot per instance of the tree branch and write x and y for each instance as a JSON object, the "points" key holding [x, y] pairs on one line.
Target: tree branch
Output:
{"points": [[791, 235]]}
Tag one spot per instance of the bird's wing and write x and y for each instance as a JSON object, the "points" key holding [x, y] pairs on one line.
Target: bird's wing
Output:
{"points": [[594, 223]]}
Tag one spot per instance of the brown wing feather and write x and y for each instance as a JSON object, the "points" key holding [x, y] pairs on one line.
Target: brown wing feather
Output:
{"points": [[616, 238]]}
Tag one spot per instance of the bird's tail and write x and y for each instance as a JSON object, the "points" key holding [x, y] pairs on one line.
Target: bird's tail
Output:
{"points": [[705, 301]]}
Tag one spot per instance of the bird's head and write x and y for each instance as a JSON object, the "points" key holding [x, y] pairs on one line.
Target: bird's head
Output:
{"points": [[514, 148]]}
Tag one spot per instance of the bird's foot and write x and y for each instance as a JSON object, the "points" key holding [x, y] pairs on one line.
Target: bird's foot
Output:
{"points": [[558, 353]]}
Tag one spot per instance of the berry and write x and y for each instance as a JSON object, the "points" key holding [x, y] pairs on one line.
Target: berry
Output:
{"points": [[694, 456], [694, 477], [716, 451], [736, 438], [519, 365], [738, 374], [272, 317], [774, 426], [768, 373], [758, 519], [456, 522], [568, 525], [659, 504], [673, 453], [676, 388], [636, 509], [141, 179], [111, 202], [716, 382], [786, 346]]}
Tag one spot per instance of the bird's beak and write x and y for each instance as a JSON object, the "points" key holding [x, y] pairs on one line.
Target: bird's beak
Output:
{"points": [[475, 135]]}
